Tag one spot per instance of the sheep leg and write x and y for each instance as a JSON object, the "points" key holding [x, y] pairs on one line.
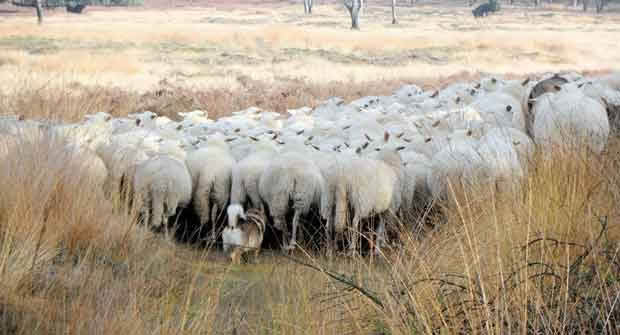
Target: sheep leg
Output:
{"points": [[329, 232], [214, 217], [354, 234], [277, 221], [380, 237], [293, 242], [157, 205]]}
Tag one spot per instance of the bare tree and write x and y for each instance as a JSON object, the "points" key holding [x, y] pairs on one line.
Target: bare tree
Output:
{"points": [[600, 4], [39, 8], [308, 6], [354, 6], [394, 12]]}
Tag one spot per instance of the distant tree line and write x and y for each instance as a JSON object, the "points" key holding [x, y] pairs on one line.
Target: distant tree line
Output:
{"points": [[73, 6], [356, 7]]}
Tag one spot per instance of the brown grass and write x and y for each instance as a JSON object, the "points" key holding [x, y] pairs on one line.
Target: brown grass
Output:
{"points": [[276, 58], [542, 260]]}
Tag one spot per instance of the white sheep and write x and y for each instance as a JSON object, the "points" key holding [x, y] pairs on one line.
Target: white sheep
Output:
{"points": [[569, 117], [245, 185], [291, 182], [459, 159], [161, 185], [351, 189], [210, 169]]}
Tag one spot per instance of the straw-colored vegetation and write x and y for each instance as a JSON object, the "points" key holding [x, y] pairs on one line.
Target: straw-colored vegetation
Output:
{"points": [[541, 260]]}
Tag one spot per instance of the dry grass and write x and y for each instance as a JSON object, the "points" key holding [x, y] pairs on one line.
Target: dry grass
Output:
{"points": [[542, 260], [274, 57]]}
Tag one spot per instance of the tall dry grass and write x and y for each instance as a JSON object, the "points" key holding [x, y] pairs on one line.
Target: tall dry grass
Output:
{"points": [[542, 259], [70, 263]]}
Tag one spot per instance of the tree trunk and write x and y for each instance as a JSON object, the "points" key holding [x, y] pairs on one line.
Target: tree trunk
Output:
{"points": [[536, 3], [39, 9], [394, 12], [308, 6], [585, 5], [354, 7], [575, 3]]}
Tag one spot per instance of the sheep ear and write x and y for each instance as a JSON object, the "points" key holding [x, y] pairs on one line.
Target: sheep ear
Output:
{"points": [[107, 118], [138, 121], [458, 100], [434, 95], [253, 138], [386, 136], [427, 140], [400, 135], [358, 150], [605, 102], [469, 132], [580, 85], [153, 116], [230, 139], [365, 145], [402, 147], [368, 137], [508, 108], [436, 123], [557, 87], [526, 81], [301, 132], [179, 127], [477, 86], [21, 117], [493, 80], [311, 137], [472, 92]]}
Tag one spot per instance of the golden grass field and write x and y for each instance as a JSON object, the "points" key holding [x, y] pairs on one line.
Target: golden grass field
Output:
{"points": [[541, 260], [276, 57]]}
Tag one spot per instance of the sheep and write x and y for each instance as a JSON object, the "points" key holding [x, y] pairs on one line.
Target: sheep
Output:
{"points": [[245, 237], [245, 185], [120, 162], [501, 160], [211, 173], [290, 181], [352, 190], [459, 159], [609, 96], [570, 117], [161, 184]]}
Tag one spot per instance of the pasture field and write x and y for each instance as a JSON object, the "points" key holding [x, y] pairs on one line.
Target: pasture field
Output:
{"points": [[542, 260], [224, 57]]}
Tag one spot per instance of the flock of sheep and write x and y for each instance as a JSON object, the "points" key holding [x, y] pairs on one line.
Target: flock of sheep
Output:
{"points": [[338, 163]]}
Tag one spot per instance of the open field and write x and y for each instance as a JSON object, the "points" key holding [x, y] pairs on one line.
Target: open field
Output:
{"points": [[541, 260], [226, 57]]}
